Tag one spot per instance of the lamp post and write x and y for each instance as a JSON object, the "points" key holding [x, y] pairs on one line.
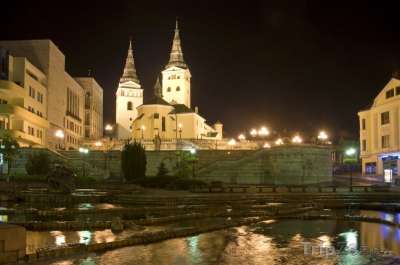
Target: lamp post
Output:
{"points": [[142, 129], [109, 131], [350, 158], [322, 137], [297, 139], [83, 151], [60, 135], [180, 130], [232, 143], [193, 152]]}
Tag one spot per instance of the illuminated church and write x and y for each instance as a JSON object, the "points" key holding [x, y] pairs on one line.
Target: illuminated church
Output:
{"points": [[168, 114]]}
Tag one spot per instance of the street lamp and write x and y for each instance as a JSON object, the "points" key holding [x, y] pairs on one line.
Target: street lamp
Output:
{"points": [[350, 158], [83, 151], [108, 128], [253, 132], [263, 132], [180, 130], [322, 136], [267, 145], [60, 135], [142, 128], [241, 137], [279, 141], [297, 139], [98, 144], [232, 143]]}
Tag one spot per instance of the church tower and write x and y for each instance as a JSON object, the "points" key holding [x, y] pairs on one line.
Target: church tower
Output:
{"points": [[129, 96], [176, 75]]}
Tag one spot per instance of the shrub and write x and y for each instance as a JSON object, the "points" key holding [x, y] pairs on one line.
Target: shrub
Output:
{"points": [[133, 161], [162, 170], [38, 164], [182, 167]]}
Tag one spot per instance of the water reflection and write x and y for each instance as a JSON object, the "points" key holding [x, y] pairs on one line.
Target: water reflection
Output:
{"points": [[53, 239]]}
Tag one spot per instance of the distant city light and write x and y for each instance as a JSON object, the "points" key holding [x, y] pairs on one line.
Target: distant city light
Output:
{"points": [[263, 131], [241, 137], [322, 135], [267, 145], [279, 141], [297, 139], [253, 132], [98, 143], [59, 134]]}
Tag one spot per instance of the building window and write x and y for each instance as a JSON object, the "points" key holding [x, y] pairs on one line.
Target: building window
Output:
{"points": [[390, 93], [385, 118], [156, 115], [163, 124], [178, 88], [363, 126], [168, 89], [129, 105], [397, 90], [364, 145], [370, 168], [385, 141]]}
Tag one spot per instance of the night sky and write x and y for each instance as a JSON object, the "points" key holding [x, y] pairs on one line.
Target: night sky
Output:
{"points": [[291, 65]]}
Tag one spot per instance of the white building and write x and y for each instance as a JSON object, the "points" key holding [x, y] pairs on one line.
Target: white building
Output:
{"points": [[128, 97], [168, 114], [380, 132], [93, 107], [23, 100], [52, 94]]}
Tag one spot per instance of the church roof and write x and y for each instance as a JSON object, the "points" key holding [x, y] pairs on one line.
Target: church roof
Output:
{"points": [[181, 108], [176, 55], [129, 70]]}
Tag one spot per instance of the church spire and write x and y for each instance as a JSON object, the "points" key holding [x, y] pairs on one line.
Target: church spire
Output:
{"points": [[176, 55], [158, 89], [129, 70]]}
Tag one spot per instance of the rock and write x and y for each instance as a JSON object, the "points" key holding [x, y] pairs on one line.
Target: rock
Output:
{"points": [[117, 225]]}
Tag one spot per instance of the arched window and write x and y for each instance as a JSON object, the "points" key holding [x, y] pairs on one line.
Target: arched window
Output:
{"points": [[178, 88], [168, 89], [129, 105]]}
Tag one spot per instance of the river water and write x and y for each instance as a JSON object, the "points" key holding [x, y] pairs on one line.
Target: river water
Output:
{"points": [[270, 242]]}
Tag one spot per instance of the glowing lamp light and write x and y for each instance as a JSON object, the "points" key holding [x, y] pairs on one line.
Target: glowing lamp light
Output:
{"points": [[109, 127], [98, 143], [350, 151], [297, 139], [279, 142], [143, 127], [180, 125], [59, 134], [193, 151], [241, 137], [253, 132], [83, 150], [267, 145], [322, 136], [263, 131], [232, 142]]}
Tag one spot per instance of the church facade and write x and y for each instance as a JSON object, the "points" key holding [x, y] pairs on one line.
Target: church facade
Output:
{"points": [[168, 114]]}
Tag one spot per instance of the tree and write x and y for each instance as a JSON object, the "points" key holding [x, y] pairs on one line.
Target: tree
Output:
{"points": [[38, 164], [182, 167], [8, 147], [133, 161], [162, 170]]}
